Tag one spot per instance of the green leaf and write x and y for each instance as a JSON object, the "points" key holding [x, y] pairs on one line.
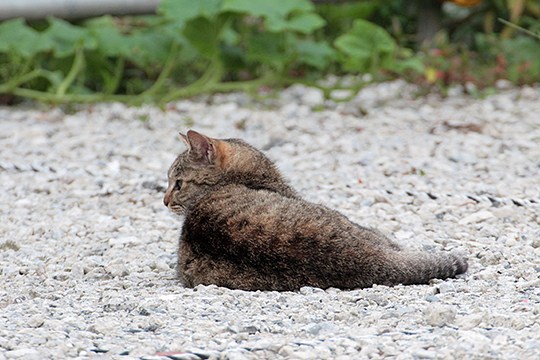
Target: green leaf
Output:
{"points": [[16, 37], [267, 48], [523, 56], [110, 41], [144, 47], [181, 11], [365, 45], [175, 34], [275, 8], [304, 23], [233, 57], [413, 64], [277, 13], [66, 38], [204, 41], [147, 47], [230, 36], [316, 54]]}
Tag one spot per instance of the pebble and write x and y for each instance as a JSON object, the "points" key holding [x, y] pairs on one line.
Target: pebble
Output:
{"points": [[424, 354], [36, 321], [26, 354], [446, 287], [93, 270], [476, 217], [77, 271], [468, 322], [437, 314], [183, 356]]}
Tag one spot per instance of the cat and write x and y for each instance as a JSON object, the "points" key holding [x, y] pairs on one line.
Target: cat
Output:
{"points": [[246, 228]]}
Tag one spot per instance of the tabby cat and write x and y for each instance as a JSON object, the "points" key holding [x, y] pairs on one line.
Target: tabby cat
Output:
{"points": [[246, 228]]}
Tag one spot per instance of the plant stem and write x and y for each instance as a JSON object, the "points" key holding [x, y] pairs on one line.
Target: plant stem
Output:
{"points": [[76, 67], [117, 76], [241, 85], [167, 69], [71, 98], [208, 80], [327, 90], [528, 32], [14, 83]]}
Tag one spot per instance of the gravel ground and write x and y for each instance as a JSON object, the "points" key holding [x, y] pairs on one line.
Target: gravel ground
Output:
{"points": [[87, 249]]}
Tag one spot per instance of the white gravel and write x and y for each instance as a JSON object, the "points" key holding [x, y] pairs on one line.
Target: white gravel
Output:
{"points": [[87, 250]]}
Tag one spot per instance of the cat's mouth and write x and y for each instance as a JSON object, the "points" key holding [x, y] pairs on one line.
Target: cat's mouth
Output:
{"points": [[177, 209]]}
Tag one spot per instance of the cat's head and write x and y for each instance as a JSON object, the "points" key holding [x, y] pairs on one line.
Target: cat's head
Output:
{"points": [[210, 163]]}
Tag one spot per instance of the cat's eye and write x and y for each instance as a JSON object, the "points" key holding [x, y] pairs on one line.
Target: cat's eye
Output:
{"points": [[177, 185]]}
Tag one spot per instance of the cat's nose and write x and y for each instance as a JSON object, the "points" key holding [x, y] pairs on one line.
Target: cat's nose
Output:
{"points": [[167, 198]]}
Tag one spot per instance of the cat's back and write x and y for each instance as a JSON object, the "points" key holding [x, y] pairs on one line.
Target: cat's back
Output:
{"points": [[265, 222], [236, 205]]}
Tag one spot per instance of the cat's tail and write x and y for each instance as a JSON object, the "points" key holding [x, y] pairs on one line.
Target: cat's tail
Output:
{"points": [[404, 267]]}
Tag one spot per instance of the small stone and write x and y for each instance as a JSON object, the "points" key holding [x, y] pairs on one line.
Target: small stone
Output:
{"points": [[308, 290], [237, 355], [446, 287], [108, 348], [102, 326], [313, 97], [183, 356], [424, 354], [439, 315], [36, 321], [368, 202], [117, 270], [313, 329], [24, 203], [468, 322], [340, 94], [303, 355], [204, 354], [479, 343], [77, 270], [389, 315], [508, 240], [504, 212], [403, 235], [287, 351], [249, 329], [500, 340], [124, 240], [368, 352], [503, 103], [161, 265], [263, 344], [463, 158], [402, 310], [477, 217], [25, 354], [503, 84], [529, 93]]}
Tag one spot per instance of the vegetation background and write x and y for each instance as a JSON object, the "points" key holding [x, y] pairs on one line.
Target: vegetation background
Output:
{"points": [[194, 47]]}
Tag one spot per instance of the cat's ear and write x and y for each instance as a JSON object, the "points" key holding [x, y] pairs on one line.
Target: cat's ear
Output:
{"points": [[185, 140], [201, 147]]}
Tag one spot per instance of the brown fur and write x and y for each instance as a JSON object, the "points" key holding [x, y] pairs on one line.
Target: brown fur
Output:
{"points": [[246, 228]]}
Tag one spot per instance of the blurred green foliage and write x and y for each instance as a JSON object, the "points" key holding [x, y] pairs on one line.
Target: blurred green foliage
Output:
{"points": [[194, 47]]}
